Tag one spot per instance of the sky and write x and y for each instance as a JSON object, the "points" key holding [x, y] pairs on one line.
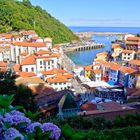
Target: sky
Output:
{"points": [[102, 13]]}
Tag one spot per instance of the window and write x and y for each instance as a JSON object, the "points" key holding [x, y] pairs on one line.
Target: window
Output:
{"points": [[40, 62], [32, 69], [19, 50], [26, 69]]}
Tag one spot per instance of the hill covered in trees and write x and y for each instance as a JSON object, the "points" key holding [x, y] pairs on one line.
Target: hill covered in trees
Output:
{"points": [[18, 15]]}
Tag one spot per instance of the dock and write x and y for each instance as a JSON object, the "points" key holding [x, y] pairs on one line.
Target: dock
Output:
{"points": [[83, 47], [90, 34]]}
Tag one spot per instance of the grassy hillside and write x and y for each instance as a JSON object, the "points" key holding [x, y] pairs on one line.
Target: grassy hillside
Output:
{"points": [[16, 15]]}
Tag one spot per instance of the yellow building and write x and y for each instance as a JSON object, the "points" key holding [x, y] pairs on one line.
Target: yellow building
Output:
{"points": [[88, 71], [117, 50]]}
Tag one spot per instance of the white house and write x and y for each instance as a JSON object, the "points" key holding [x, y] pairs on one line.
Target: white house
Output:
{"points": [[59, 82], [25, 47], [29, 64], [128, 55]]}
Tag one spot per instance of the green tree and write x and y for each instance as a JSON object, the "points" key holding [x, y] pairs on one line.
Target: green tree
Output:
{"points": [[24, 97], [22, 94], [7, 83], [17, 15]]}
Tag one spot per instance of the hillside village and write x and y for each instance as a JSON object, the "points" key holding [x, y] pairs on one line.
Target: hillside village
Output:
{"points": [[119, 69], [108, 82]]}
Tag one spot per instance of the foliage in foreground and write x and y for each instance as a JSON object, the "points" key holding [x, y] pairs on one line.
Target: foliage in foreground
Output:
{"points": [[127, 133], [17, 15], [98, 124], [15, 125], [23, 96]]}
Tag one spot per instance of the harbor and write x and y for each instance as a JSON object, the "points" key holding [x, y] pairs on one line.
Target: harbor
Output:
{"points": [[86, 56], [82, 46]]}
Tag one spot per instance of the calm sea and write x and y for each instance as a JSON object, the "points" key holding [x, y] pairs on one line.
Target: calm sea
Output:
{"points": [[86, 57], [133, 30]]}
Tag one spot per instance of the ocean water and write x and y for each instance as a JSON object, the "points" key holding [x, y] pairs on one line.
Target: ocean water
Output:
{"points": [[86, 57], [133, 30]]}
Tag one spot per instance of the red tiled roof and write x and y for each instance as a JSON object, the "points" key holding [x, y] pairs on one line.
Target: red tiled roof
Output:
{"points": [[68, 75], [27, 74], [41, 89], [132, 43], [88, 68], [28, 32], [97, 71], [8, 36], [16, 67], [133, 38], [29, 60], [3, 64], [127, 70], [111, 105], [114, 46], [127, 51], [49, 72], [88, 106], [41, 52], [134, 62], [5, 42], [115, 66], [30, 44], [57, 79]]}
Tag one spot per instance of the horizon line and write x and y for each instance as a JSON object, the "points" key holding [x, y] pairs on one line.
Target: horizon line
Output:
{"points": [[106, 26]]}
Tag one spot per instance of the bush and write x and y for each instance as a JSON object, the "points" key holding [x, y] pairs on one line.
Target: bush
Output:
{"points": [[15, 125]]}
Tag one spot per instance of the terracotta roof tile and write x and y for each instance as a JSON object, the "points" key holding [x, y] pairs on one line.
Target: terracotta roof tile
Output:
{"points": [[115, 66], [114, 46], [57, 79], [30, 44], [134, 62], [41, 89], [3, 64], [17, 67], [7, 36], [132, 43], [133, 39], [68, 75], [97, 71], [111, 105], [27, 74], [127, 51], [41, 52], [30, 81], [5, 42], [49, 72], [88, 106], [29, 60], [127, 70], [88, 68], [30, 32]]}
